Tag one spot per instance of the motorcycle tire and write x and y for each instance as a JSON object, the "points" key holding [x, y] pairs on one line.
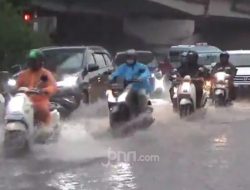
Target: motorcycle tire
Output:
{"points": [[185, 111], [15, 143]]}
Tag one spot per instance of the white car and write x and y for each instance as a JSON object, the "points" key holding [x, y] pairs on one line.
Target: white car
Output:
{"points": [[241, 59]]}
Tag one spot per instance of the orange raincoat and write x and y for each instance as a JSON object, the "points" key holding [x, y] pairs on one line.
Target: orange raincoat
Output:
{"points": [[32, 79]]}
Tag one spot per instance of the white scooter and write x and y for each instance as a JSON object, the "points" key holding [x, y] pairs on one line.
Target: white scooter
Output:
{"points": [[186, 97], [221, 88], [158, 80], [21, 129]]}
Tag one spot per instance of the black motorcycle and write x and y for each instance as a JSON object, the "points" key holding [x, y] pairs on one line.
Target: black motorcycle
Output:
{"points": [[123, 112]]}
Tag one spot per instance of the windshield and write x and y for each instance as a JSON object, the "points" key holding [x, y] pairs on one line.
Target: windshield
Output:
{"points": [[145, 58], [205, 58], [175, 56], [240, 59], [64, 60], [208, 58]]}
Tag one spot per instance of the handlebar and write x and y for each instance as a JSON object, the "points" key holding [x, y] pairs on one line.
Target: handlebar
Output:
{"points": [[192, 79], [34, 92], [125, 81], [131, 81], [198, 79]]}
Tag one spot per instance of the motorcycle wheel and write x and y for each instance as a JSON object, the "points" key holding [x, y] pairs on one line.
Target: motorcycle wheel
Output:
{"points": [[15, 143], [219, 101], [185, 110], [77, 102], [85, 97], [120, 117]]}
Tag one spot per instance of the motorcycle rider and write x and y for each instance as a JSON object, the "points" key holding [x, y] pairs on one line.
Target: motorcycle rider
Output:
{"points": [[190, 67], [31, 78], [132, 70], [229, 68]]}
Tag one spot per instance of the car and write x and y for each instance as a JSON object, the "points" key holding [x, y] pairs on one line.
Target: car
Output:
{"points": [[241, 60], [155, 66], [207, 54], [80, 71]]}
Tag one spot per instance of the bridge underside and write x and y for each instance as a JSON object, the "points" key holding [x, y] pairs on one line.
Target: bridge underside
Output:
{"points": [[120, 8], [139, 22], [180, 9]]}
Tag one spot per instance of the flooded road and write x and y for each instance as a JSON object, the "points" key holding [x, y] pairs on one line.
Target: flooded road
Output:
{"points": [[208, 151]]}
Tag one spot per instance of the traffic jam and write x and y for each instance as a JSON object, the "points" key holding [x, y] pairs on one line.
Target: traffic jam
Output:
{"points": [[130, 82]]}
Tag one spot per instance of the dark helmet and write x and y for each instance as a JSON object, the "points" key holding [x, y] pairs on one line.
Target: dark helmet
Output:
{"points": [[224, 54], [131, 56], [35, 60], [192, 56]]}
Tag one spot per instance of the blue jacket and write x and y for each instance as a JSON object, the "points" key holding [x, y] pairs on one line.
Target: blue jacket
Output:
{"points": [[133, 72]]}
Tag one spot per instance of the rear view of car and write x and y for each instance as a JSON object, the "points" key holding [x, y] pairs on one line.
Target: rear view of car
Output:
{"points": [[207, 54], [241, 60]]}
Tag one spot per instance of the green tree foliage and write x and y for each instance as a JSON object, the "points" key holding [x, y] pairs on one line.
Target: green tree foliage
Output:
{"points": [[19, 3], [16, 36]]}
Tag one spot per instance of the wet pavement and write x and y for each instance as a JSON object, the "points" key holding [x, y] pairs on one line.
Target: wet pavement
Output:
{"points": [[208, 151]]}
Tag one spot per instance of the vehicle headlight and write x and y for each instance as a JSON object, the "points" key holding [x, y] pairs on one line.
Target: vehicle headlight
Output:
{"points": [[159, 84], [11, 82], [69, 81], [207, 85]]}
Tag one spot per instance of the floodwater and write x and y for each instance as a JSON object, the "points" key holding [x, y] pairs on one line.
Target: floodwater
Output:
{"points": [[208, 151]]}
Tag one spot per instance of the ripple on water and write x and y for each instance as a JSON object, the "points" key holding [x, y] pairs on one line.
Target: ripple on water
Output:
{"points": [[121, 176], [218, 148], [66, 181]]}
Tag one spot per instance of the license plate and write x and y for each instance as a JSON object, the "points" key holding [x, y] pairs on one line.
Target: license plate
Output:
{"points": [[220, 86], [114, 109]]}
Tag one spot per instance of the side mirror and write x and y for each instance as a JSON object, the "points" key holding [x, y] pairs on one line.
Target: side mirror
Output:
{"points": [[92, 67], [15, 69]]}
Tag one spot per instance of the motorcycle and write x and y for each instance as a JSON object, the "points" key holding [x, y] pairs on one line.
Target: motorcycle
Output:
{"points": [[65, 105], [121, 111], [183, 95], [174, 78], [221, 88], [21, 129], [158, 83]]}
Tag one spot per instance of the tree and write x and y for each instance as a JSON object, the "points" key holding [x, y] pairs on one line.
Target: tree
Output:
{"points": [[19, 3], [16, 36]]}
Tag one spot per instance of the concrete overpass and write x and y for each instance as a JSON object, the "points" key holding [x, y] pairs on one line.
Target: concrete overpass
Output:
{"points": [[162, 8], [155, 22]]}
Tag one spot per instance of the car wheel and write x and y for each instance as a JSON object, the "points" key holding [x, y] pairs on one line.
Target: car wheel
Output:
{"points": [[85, 97], [78, 101]]}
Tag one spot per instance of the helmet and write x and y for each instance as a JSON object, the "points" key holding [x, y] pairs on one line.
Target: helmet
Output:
{"points": [[224, 54], [35, 54], [192, 56], [192, 59], [131, 52], [131, 56], [35, 59]]}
